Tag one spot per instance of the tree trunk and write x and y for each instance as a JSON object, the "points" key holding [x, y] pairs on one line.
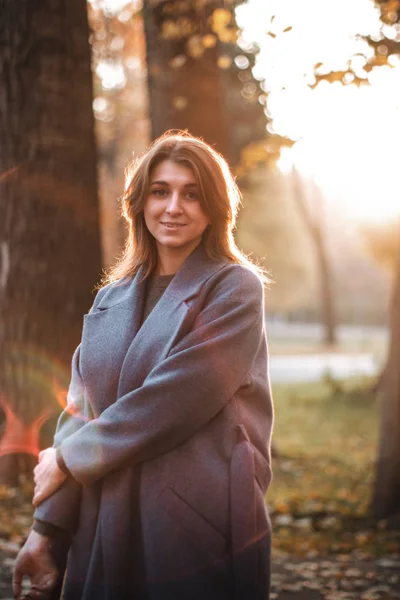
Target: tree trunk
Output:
{"points": [[386, 495], [314, 223], [186, 97], [326, 292], [202, 90], [49, 233]]}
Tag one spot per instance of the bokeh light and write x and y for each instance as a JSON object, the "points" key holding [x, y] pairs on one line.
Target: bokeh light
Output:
{"points": [[346, 135]]}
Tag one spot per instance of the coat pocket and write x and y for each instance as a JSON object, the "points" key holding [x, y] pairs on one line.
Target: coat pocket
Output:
{"points": [[202, 534], [250, 475], [263, 473]]}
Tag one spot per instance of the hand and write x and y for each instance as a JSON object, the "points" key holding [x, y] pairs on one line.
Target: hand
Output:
{"points": [[35, 561], [48, 476]]}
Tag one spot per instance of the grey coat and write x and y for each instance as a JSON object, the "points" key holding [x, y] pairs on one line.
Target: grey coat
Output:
{"points": [[167, 437]]}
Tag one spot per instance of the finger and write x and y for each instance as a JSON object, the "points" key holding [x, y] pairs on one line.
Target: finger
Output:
{"points": [[39, 497], [43, 589], [47, 582], [35, 595], [17, 583]]}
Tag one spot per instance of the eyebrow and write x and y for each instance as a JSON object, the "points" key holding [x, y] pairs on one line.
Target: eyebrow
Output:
{"points": [[187, 185]]}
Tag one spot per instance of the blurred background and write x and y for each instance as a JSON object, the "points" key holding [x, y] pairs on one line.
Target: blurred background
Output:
{"points": [[303, 99]]}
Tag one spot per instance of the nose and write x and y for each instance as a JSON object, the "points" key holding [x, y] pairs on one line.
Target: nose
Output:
{"points": [[174, 204]]}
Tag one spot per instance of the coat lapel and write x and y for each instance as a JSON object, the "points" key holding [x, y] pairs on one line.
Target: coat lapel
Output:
{"points": [[108, 331], [117, 353], [169, 321]]}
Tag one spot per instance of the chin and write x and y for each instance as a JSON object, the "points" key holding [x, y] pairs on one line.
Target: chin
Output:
{"points": [[177, 245]]}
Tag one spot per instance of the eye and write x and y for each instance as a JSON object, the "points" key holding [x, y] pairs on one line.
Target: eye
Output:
{"points": [[192, 195], [159, 192]]}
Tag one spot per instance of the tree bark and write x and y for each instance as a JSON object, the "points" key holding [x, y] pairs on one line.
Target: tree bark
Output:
{"points": [[386, 493], [49, 230]]}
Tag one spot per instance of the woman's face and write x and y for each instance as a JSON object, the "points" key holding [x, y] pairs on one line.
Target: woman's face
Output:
{"points": [[172, 210]]}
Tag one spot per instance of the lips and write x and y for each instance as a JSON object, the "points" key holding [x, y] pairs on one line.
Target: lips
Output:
{"points": [[171, 225]]}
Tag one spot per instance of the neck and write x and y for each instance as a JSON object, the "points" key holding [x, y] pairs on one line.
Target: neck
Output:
{"points": [[170, 260], [168, 264]]}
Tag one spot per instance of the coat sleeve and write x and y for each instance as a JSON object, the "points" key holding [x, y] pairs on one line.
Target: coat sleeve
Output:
{"points": [[62, 508], [182, 393]]}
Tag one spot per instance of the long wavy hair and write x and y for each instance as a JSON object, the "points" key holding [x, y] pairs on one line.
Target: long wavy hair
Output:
{"points": [[220, 199]]}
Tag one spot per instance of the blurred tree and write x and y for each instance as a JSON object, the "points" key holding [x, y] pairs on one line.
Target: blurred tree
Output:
{"points": [[311, 209], [388, 42], [382, 242], [274, 234], [120, 105], [386, 496], [49, 234], [382, 50], [362, 284], [199, 79]]}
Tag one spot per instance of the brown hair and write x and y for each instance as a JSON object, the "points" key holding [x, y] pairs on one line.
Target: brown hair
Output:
{"points": [[219, 197]]}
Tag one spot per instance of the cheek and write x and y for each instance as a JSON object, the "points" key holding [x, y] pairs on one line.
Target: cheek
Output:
{"points": [[148, 218], [206, 221], [149, 211], [202, 219]]}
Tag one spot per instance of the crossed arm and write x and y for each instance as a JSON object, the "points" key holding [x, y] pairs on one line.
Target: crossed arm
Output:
{"points": [[180, 395]]}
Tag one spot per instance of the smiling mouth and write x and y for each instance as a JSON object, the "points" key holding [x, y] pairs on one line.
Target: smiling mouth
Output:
{"points": [[172, 225]]}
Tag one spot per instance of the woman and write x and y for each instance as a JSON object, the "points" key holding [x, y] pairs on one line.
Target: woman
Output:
{"points": [[162, 457]]}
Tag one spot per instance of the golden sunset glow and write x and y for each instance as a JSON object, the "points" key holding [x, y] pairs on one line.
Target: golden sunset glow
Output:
{"points": [[346, 135]]}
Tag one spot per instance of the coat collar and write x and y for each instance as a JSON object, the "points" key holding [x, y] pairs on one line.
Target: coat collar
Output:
{"points": [[133, 349], [197, 268]]}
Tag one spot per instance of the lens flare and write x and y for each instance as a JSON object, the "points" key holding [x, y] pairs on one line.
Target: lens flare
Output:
{"points": [[18, 436], [35, 388]]}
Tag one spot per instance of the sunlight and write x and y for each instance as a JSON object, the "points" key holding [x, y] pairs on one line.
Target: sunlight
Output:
{"points": [[113, 7], [346, 135], [112, 74]]}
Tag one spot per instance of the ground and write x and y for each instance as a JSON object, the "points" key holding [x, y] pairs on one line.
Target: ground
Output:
{"points": [[326, 546]]}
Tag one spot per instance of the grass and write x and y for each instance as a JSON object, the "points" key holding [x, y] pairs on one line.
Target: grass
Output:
{"points": [[326, 434], [326, 437]]}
